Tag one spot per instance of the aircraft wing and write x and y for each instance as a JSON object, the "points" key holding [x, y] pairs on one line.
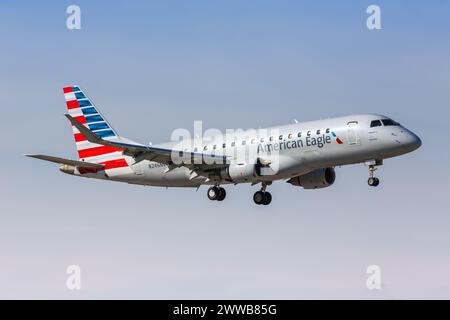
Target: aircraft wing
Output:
{"points": [[75, 163], [141, 152]]}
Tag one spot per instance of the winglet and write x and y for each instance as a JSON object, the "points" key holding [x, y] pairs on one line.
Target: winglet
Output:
{"points": [[91, 136]]}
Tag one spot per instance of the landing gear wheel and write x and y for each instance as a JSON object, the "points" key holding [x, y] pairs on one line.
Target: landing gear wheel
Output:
{"points": [[222, 194], [267, 198], [262, 197], [213, 193], [373, 182], [259, 197]]}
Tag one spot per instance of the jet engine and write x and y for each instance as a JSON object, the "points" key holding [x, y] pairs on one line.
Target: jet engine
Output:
{"points": [[320, 178], [239, 172]]}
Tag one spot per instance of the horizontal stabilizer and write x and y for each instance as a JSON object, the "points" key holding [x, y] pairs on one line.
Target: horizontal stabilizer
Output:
{"points": [[75, 163]]}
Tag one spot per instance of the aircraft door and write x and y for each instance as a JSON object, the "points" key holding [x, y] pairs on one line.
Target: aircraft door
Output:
{"points": [[352, 133]]}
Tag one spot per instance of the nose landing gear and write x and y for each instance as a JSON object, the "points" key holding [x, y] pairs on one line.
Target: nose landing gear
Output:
{"points": [[373, 181]]}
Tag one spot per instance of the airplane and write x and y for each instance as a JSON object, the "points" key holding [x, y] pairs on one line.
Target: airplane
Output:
{"points": [[304, 154]]}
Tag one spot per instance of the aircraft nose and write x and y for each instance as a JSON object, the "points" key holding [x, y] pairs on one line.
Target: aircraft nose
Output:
{"points": [[412, 141]]}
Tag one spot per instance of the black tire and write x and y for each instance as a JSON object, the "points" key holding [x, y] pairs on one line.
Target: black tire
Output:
{"points": [[267, 198], [222, 194], [213, 193], [376, 182], [259, 197], [371, 181]]}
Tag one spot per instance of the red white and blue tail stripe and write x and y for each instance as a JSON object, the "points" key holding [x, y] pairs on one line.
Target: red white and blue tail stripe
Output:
{"points": [[84, 111]]}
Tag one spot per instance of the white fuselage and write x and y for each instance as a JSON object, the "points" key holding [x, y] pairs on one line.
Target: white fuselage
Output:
{"points": [[293, 150]]}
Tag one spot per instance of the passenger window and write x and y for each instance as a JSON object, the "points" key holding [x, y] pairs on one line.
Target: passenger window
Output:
{"points": [[280, 137], [233, 144], [375, 123], [328, 130], [318, 132], [308, 133], [262, 140], [243, 142], [290, 136], [271, 138], [195, 149], [299, 134], [215, 146], [224, 145], [205, 148]]}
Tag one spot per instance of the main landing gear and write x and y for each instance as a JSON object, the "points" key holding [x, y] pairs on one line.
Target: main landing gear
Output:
{"points": [[372, 181], [216, 193], [262, 197]]}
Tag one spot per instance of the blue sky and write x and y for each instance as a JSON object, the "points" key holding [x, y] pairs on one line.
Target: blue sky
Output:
{"points": [[152, 67]]}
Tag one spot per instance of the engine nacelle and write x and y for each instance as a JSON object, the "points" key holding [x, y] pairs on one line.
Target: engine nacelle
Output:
{"points": [[320, 178], [239, 172]]}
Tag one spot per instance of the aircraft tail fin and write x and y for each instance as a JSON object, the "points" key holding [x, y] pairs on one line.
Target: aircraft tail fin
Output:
{"points": [[81, 108]]}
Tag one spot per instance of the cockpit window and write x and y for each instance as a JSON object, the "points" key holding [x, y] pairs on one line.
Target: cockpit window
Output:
{"points": [[389, 122], [375, 123]]}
